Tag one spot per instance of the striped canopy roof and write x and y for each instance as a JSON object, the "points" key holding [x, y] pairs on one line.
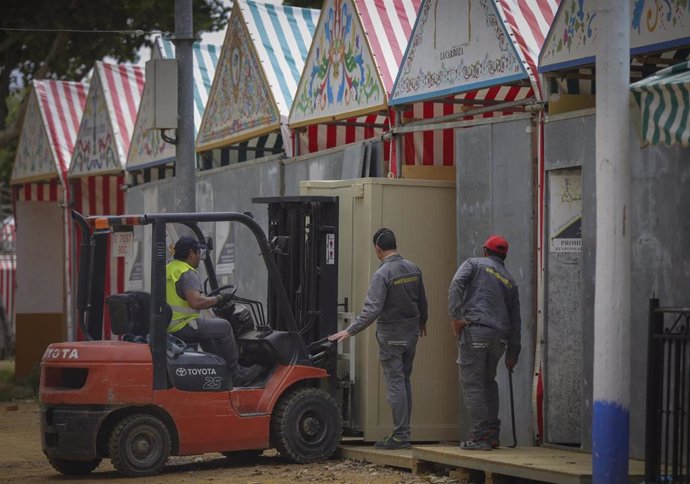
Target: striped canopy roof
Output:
{"points": [[459, 46], [49, 131], [354, 59], [260, 64], [664, 102], [148, 148], [654, 26], [108, 121]]}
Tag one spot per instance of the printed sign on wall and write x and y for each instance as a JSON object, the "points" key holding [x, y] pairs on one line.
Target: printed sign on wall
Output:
{"points": [[565, 210], [225, 252]]}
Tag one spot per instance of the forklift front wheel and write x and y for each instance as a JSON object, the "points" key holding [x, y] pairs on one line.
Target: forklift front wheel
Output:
{"points": [[74, 467], [306, 425], [139, 445]]}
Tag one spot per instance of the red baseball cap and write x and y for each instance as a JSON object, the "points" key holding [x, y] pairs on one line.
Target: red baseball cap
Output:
{"points": [[497, 243]]}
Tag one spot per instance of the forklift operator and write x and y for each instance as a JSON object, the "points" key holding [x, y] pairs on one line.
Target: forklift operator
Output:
{"points": [[184, 295]]}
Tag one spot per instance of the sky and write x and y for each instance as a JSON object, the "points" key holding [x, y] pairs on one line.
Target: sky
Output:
{"points": [[206, 37]]}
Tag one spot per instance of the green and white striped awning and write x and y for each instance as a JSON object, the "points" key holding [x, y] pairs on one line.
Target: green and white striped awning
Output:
{"points": [[664, 102]]}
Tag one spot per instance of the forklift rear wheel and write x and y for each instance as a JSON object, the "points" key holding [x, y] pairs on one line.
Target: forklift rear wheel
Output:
{"points": [[306, 425], [74, 467], [139, 445]]}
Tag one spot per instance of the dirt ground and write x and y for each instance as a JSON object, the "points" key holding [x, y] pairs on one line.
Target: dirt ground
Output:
{"points": [[21, 459]]}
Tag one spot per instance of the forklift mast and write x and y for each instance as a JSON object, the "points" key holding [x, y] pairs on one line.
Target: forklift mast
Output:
{"points": [[303, 231]]}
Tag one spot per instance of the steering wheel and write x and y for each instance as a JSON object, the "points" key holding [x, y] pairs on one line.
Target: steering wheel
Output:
{"points": [[215, 292]]}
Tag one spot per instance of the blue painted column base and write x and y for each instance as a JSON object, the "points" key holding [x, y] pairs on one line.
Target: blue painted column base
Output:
{"points": [[610, 441]]}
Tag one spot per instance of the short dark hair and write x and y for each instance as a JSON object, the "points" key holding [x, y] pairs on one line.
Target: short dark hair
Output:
{"points": [[384, 239], [495, 254], [184, 245]]}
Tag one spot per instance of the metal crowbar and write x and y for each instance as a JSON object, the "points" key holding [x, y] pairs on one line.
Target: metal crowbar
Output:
{"points": [[512, 407]]}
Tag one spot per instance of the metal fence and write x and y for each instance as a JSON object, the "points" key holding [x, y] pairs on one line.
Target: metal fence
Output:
{"points": [[667, 445]]}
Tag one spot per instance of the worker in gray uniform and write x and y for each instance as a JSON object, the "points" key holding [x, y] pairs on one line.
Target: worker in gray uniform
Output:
{"points": [[396, 297], [484, 308]]}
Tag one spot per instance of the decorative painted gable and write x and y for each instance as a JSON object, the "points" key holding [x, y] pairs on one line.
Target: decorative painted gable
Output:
{"points": [[108, 121], [340, 77], [240, 99], [49, 130], [457, 46]]}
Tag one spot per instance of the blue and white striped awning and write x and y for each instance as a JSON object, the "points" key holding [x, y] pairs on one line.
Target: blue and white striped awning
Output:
{"points": [[205, 61], [664, 102], [147, 148], [261, 62], [282, 37]]}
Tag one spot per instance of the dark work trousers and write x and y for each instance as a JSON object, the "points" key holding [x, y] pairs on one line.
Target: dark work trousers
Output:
{"points": [[215, 336], [396, 352], [479, 350]]}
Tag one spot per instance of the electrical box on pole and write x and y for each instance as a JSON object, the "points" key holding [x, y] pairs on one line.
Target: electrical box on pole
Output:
{"points": [[159, 102]]}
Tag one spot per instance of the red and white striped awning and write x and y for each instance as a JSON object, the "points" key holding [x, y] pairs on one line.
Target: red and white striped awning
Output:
{"points": [[529, 22], [108, 122], [49, 131], [8, 263], [388, 25]]}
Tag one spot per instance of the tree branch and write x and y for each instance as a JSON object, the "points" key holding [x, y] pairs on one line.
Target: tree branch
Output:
{"points": [[13, 130]]}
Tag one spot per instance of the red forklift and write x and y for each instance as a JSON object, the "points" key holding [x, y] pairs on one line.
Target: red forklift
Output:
{"points": [[145, 397]]}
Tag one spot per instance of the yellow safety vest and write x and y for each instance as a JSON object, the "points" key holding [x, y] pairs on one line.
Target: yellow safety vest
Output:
{"points": [[182, 312]]}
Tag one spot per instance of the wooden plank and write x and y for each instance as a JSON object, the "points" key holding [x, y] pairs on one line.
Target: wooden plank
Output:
{"points": [[394, 458], [536, 463], [462, 475], [422, 467], [429, 172], [570, 102]]}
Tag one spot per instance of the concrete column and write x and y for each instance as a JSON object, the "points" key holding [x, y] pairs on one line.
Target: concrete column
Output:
{"points": [[611, 385], [185, 157]]}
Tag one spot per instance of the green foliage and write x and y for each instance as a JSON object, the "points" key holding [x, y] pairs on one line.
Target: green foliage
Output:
{"points": [[42, 43], [26, 50], [12, 388], [8, 152], [6, 381]]}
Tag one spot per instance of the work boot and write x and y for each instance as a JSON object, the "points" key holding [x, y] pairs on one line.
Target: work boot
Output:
{"points": [[246, 375], [392, 443], [492, 437], [473, 444]]}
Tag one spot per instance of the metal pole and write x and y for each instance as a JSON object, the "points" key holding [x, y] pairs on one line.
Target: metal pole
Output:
{"points": [[398, 140], [185, 159], [611, 383]]}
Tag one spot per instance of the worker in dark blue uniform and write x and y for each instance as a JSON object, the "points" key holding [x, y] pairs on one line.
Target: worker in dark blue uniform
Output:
{"points": [[396, 297], [484, 307]]}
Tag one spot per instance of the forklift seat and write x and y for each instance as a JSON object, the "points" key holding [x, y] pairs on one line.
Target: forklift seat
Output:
{"points": [[129, 313]]}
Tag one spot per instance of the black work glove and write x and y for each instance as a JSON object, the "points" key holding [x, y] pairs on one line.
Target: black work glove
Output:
{"points": [[224, 297]]}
